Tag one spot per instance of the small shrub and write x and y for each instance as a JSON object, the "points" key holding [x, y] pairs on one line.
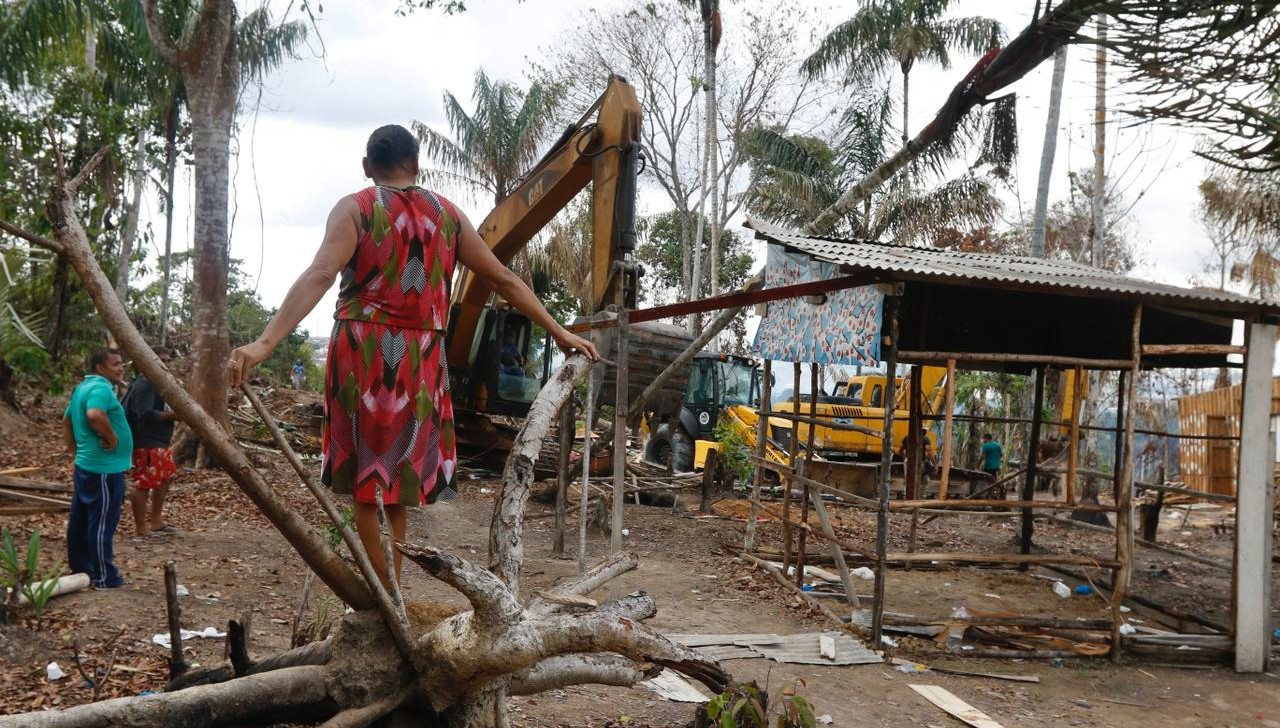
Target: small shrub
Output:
{"points": [[734, 457], [19, 575]]}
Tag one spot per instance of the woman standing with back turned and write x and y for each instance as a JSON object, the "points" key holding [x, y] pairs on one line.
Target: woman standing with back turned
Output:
{"points": [[388, 415]]}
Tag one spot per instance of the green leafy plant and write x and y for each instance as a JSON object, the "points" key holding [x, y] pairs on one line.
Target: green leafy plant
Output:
{"points": [[734, 457], [332, 535], [745, 705], [19, 575]]}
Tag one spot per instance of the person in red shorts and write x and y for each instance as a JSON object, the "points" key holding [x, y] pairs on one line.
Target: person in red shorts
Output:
{"points": [[152, 422]]}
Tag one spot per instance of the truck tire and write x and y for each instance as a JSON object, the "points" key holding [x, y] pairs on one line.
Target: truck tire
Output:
{"points": [[670, 448]]}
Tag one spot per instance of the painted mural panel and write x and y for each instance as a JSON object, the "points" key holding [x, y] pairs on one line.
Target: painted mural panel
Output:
{"points": [[843, 330]]}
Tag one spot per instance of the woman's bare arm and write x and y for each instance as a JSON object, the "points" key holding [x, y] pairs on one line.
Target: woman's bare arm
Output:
{"points": [[475, 255], [339, 244]]}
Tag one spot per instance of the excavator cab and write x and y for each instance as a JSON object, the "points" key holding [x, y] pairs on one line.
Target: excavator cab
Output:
{"points": [[508, 361]]}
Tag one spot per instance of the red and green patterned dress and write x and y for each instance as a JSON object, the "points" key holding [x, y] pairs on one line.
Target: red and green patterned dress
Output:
{"points": [[388, 414]]}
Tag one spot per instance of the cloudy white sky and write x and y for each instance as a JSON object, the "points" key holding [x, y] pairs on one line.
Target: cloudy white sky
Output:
{"points": [[303, 150]]}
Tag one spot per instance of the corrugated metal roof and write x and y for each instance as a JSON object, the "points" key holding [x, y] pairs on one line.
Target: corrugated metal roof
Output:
{"points": [[907, 262]]}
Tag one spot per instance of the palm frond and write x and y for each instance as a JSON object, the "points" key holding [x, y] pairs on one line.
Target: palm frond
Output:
{"points": [[265, 45]]}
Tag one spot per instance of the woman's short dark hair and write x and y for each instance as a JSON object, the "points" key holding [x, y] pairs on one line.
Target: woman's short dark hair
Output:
{"points": [[390, 147]]}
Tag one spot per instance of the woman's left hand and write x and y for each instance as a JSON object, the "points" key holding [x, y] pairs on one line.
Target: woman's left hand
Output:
{"points": [[570, 343]]}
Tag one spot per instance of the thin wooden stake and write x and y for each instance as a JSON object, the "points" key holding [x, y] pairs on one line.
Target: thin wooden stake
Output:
{"points": [[792, 450], [1124, 495], [1033, 452], [177, 664], [619, 442], [762, 432], [587, 415], [889, 333], [946, 429], [562, 478]]}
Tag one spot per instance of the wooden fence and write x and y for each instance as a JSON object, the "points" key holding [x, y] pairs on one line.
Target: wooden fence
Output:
{"points": [[1209, 465]]}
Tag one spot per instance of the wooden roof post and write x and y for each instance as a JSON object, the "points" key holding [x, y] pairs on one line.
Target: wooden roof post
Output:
{"points": [[889, 355], [1254, 506]]}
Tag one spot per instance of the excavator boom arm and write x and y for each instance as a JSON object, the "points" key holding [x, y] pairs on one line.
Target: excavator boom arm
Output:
{"points": [[603, 153]]}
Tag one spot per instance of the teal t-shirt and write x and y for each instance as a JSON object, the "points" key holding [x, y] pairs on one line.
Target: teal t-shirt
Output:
{"points": [[991, 455], [95, 392]]}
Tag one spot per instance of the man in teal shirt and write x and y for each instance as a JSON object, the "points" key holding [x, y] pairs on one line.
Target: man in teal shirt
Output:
{"points": [[992, 455], [97, 434]]}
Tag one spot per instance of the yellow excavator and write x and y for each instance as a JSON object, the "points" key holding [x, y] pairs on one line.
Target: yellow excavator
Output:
{"points": [[602, 150], [724, 391]]}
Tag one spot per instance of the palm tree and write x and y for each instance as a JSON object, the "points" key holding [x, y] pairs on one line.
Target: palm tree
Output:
{"points": [[900, 32], [795, 177], [493, 146], [216, 57]]}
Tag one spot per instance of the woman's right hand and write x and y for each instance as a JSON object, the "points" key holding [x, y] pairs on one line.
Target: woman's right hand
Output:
{"points": [[244, 359]]}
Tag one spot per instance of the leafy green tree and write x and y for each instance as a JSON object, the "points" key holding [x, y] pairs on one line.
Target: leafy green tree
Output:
{"points": [[796, 176], [493, 145], [900, 32], [661, 250]]}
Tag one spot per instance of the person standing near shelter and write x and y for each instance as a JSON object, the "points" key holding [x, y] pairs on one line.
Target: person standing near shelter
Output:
{"points": [[151, 422], [296, 374], [388, 415], [97, 435], [992, 456]]}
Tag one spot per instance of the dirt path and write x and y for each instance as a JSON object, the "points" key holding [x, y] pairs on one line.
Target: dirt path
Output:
{"points": [[232, 563]]}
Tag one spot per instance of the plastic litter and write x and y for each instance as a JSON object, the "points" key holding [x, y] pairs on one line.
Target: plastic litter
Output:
{"points": [[1124, 609], [626, 532], [1127, 629], [807, 587], [1084, 589], [183, 591], [187, 634], [1056, 662], [825, 719], [863, 573], [886, 639], [1061, 589], [54, 672], [912, 668]]}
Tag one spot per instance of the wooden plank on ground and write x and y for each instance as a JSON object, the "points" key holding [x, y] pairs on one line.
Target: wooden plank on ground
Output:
{"points": [[27, 495], [20, 471], [8, 481], [947, 701]]}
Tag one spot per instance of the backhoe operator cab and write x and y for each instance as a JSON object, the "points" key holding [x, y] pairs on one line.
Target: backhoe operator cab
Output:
{"points": [[497, 359], [716, 381]]}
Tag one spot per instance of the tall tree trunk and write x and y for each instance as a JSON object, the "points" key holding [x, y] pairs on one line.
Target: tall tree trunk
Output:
{"points": [[211, 137], [1047, 153], [906, 101], [1100, 148], [170, 171], [131, 219], [210, 71], [713, 142]]}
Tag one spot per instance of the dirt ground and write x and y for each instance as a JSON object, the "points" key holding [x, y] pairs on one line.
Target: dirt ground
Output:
{"points": [[232, 563]]}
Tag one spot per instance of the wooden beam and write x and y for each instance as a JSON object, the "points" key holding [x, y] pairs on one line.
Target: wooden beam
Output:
{"points": [[734, 300], [889, 354], [982, 558], [1171, 349], [1124, 488], [907, 505], [933, 357], [949, 416], [762, 432], [792, 451], [1251, 609], [1033, 454]]}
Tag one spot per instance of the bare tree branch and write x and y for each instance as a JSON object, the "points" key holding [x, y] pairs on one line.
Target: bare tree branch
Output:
{"points": [[565, 670], [74, 184], [31, 237]]}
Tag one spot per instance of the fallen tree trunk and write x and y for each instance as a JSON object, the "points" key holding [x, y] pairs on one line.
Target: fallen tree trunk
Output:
{"points": [[461, 667]]}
